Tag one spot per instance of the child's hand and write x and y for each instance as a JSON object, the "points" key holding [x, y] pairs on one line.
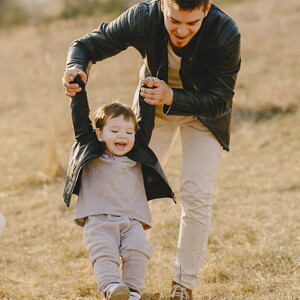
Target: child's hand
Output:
{"points": [[73, 88]]}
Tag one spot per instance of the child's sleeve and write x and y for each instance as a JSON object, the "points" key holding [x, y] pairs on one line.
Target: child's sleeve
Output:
{"points": [[80, 113], [145, 117]]}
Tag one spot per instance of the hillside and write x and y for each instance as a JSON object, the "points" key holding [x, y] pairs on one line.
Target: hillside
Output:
{"points": [[254, 244]]}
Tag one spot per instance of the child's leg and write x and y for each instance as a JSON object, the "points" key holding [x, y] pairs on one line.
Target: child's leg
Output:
{"points": [[135, 254], [102, 236], [134, 269]]}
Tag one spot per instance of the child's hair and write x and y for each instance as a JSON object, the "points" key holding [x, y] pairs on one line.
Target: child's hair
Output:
{"points": [[115, 110]]}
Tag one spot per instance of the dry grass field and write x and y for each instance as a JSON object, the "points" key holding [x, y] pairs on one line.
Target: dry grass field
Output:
{"points": [[254, 246]]}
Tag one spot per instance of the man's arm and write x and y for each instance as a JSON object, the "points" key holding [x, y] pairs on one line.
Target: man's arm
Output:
{"points": [[106, 41], [219, 87]]}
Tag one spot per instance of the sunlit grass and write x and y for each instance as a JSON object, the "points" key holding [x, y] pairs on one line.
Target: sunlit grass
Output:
{"points": [[253, 250]]}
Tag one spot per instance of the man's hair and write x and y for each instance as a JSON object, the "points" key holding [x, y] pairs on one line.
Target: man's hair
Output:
{"points": [[114, 110], [190, 4]]}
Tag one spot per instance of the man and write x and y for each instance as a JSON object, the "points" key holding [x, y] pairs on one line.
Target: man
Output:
{"points": [[191, 52]]}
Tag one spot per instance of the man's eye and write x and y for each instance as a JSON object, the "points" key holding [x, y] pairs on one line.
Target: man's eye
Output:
{"points": [[173, 21]]}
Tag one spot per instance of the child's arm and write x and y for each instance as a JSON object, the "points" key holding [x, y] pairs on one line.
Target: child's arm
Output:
{"points": [[145, 117], [80, 113]]}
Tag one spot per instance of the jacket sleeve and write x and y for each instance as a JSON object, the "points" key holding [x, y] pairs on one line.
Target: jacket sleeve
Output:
{"points": [[109, 38], [80, 114], [219, 80], [145, 116]]}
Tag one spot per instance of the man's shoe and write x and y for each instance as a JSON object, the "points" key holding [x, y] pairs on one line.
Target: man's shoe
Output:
{"points": [[117, 292], [179, 292]]}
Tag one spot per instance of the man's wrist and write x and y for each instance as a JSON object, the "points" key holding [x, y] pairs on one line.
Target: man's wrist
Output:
{"points": [[169, 101]]}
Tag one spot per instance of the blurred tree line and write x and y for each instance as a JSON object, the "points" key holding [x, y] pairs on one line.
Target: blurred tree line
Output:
{"points": [[10, 13], [20, 12]]}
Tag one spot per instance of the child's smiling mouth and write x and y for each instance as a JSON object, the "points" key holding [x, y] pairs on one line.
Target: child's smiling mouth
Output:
{"points": [[120, 145]]}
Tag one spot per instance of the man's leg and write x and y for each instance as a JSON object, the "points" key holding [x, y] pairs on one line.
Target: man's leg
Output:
{"points": [[200, 157], [163, 137]]}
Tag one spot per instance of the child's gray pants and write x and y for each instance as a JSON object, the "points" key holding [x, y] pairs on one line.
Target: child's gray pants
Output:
{"points": [[112, 240]]}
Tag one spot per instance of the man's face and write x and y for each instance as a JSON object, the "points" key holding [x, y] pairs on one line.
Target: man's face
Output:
{"points": [[182, 25], [118, 135]]}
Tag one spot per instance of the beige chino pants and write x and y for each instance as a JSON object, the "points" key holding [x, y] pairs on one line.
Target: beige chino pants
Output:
{"points": [[200, 156]]}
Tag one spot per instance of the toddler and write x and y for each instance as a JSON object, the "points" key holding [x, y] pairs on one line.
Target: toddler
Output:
{"points": [[114, 173]]}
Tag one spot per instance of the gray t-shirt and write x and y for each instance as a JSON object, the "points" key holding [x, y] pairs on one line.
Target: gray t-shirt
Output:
{"points": [[112, 185]]}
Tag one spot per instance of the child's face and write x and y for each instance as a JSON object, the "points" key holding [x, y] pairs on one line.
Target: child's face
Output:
{"points": [[118, 135]]}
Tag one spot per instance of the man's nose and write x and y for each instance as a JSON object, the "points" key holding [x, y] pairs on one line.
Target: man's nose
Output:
{"points": [[182, 30]]}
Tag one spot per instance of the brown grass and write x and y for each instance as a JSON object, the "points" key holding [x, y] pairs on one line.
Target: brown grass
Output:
{"points": [[254, 243]]}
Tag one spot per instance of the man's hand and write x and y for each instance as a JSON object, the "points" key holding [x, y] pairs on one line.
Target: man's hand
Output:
{"points": [[73, 88], [162, 94]]}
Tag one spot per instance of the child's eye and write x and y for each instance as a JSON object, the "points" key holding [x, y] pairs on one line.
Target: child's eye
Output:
{"points": [[129, 132], [114, 131]]}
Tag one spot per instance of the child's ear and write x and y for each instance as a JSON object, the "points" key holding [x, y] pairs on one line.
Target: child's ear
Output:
{"points": [[99, 134]]}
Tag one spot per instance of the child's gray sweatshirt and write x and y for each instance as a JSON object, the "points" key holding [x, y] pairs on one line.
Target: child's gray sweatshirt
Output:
{"points": [[112, 185]]}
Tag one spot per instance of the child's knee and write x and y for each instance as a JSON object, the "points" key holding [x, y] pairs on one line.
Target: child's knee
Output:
{"points": [[136, 241], [138, 253]]}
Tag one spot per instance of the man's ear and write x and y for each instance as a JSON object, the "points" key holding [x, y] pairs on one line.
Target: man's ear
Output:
{"points": [[162, 5], [207, 8], [99, 134]]}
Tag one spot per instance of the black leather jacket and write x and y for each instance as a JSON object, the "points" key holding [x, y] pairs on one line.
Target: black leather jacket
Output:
{"points": [[209, 66], [87, 148]]}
